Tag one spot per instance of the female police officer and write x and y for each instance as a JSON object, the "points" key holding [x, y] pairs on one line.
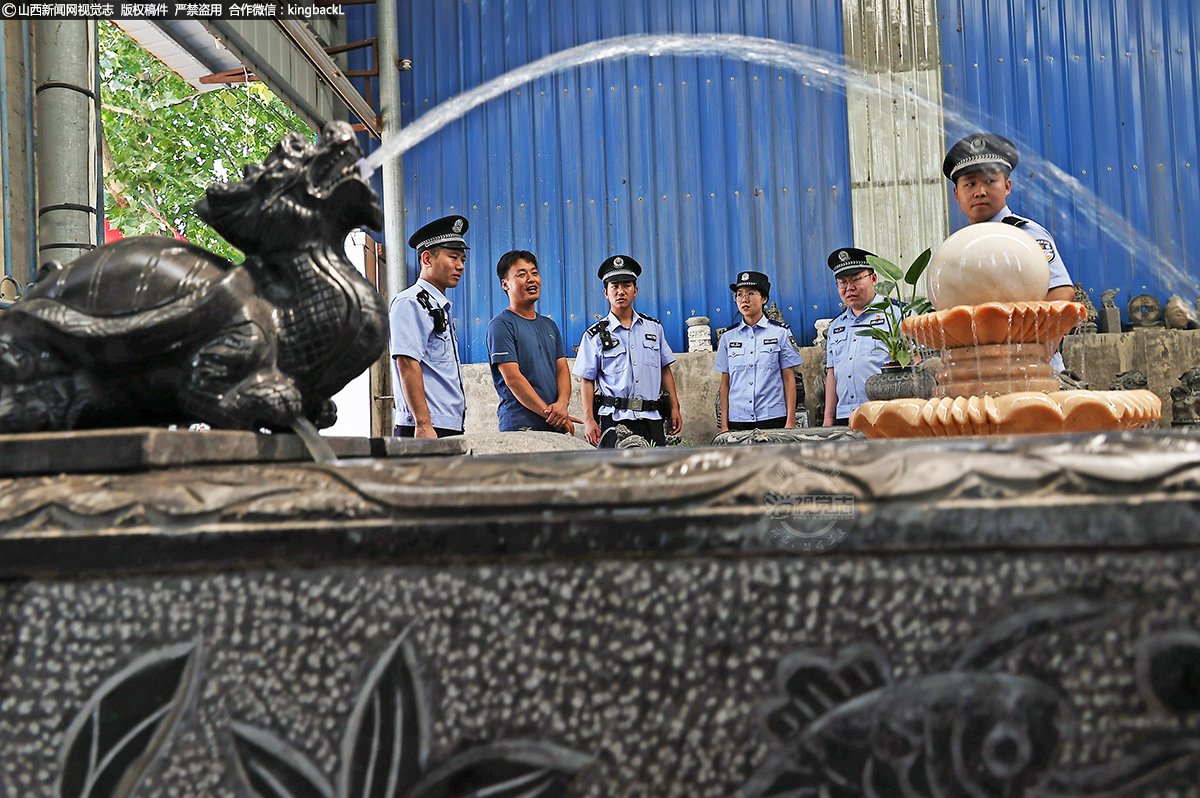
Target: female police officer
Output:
{"points": [[756, 358]]}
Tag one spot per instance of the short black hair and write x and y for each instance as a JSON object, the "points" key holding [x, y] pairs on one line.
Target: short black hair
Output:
{"points": [[509, 258], [984, 169], [435, 249]]}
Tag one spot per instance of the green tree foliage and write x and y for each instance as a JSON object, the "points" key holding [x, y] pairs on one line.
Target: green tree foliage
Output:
{"points": [[165, 142]]}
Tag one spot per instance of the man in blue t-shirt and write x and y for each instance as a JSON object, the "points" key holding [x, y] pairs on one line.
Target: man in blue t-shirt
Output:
{"points": [[529, 362]]}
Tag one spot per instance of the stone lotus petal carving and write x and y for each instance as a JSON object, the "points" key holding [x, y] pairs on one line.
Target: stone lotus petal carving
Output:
{"points": [[128, 721], [1010, 414], [995, 323], [385, 751]]}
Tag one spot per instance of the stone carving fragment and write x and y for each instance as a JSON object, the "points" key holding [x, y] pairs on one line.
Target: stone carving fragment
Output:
{"points": [[1081, 296], [1109, 320], [1177, 314], [1128, 381], [1145, 311], [1185, 399]]}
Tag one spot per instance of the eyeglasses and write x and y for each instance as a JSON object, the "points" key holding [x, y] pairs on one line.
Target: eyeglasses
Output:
{"points": [[746, 294], [847, 282]]}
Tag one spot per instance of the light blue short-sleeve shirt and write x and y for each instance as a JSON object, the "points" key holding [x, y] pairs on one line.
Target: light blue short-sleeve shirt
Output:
{"points": [[854, 358], [754, 357], [1059, 276], [413, 335], [632, 369]]}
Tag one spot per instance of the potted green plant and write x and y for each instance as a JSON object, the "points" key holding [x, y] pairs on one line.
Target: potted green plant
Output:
{"points": [[900, 377]]}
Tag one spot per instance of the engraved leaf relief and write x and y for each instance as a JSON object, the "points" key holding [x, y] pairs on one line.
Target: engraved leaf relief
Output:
{"points": [[126, 724], [842, 727], [385, 751], [273, 768]]}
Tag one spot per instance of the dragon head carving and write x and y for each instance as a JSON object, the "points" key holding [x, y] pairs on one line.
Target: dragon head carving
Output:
{"points": [[302, 193]]}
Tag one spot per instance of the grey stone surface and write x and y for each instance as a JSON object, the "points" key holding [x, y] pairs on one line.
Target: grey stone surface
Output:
{"points": [[523, 442], [658, 669], [131, 448], [417, 447]]}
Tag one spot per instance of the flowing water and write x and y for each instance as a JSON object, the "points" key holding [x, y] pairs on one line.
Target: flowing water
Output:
{"points": [[317, 446], [820, 70]]}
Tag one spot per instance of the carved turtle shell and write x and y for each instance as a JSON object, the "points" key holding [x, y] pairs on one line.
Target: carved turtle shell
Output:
{"points": [[134, 298]]}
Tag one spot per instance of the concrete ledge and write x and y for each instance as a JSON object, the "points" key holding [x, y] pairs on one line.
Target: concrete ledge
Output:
{"points": [[1161, 354]]}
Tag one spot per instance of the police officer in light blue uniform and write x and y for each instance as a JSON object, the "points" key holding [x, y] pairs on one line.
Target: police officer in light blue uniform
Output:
{"points": [[851, 358], [427, 373], [625, 364], [980, 166], [756, 358]]}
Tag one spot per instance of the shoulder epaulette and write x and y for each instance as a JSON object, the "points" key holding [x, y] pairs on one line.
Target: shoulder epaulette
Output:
{"points": [[649, 318], [782, 324], [598, 327], [1015, 221]]}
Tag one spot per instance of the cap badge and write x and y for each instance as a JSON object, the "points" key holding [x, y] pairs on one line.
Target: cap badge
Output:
{"points": [[458, 225], [618, 261], [977, 144], [745, 276], [843, 256]]}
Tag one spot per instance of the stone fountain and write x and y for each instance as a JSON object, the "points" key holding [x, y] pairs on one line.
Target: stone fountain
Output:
{"points": [[997, 335]]}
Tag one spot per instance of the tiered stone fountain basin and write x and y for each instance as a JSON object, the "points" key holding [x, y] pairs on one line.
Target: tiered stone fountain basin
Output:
{"points": [[996, 378]]}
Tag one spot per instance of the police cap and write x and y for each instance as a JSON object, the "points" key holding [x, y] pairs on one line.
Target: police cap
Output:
{"points": [[756, 280], [977, 152], [445, 232], [849, 259], [619, 269]]}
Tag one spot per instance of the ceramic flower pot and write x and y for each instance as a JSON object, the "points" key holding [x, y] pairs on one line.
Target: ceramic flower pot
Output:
{"points": [[900, 382]]}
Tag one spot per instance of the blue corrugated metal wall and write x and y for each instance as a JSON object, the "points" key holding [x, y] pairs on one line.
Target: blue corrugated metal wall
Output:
{"points": [[696, 167], [1106, 90]]}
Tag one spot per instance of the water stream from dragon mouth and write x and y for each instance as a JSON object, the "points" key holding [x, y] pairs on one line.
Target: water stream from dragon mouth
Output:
{"points": [[317, 446]]}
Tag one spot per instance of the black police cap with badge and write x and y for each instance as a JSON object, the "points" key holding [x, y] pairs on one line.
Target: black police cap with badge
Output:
{"points": [[849, 259], [756, 280], [445, 232], [619, 269], [979, 152]]}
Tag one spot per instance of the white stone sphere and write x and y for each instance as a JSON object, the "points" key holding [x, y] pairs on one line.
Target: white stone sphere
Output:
{"points": [[987, 262]]}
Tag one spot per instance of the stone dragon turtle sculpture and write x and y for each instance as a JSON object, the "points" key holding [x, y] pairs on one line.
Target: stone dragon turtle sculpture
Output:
{"points": [[151, 330]]}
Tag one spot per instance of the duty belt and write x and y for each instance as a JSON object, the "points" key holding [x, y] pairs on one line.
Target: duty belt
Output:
{"points": [[637, 405]]}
